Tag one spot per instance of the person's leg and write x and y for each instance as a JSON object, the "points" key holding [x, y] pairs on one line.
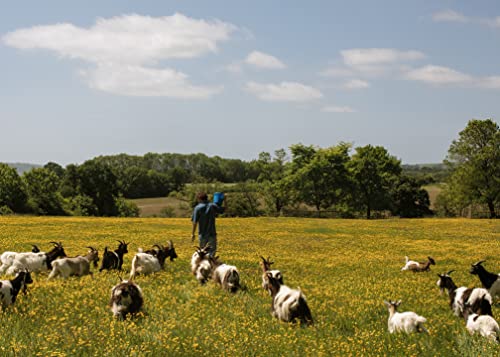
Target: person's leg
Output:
{"points": [[212, 241]]}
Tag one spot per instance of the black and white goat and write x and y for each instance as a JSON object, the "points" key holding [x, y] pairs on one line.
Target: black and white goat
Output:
{"points": [[36, 262], [10, 288], [407, 321], [7, 258], [126, 298], [76, 266], [152, 261], [227, 276], [114, 260], [489, 280], [484, 324], [418, 267], [478, 299], [288, 304], [200, 264], [265, 264]]}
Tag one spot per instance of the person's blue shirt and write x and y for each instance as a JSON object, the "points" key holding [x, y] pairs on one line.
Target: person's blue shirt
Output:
{"points": [[204, 214]]}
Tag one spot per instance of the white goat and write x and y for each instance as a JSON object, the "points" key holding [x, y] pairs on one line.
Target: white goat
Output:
{"points": [[484, 324], [77, 266], [10, 288], [227, 276], [266, 268], [151, 261], [7, 258], [288, 304], [407, 322], [36, 262], [126, 298], [200, 265]]}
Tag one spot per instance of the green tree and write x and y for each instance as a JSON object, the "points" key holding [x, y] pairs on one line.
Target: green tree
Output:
{"points": [[42, 186], [410, 199], [12, 190], [374, 172], [55, 168], [272, 180], [320, 177], [475, 161]]}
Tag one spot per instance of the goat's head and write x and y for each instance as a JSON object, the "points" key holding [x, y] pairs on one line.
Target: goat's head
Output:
{"points": [[214, 261], [392, 306], [171, 251], [431, 261], [445, 281], [274, 283], [93, 256], [57, 251], [266, 263], [35, 249], [161, 254], [122, 247], [477, 268]]}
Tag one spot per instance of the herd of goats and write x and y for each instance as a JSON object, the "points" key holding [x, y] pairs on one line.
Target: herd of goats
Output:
{"points": [[289, 305]]}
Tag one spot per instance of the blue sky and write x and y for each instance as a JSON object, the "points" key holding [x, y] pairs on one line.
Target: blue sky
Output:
{"points": [[231, 78]]}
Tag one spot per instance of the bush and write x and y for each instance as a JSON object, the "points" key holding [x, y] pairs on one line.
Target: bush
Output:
{"points": [[81, 205], [167, 212], [5, 211], [126, 208]]}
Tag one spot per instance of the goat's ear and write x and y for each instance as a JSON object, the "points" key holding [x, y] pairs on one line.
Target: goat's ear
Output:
{"points": [[397, 303], [269, 275], [386, 303]]}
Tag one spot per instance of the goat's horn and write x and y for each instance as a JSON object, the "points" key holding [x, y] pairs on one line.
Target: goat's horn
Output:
{"points": [[158, 246], [170, 244], [451, 271], [55, 243], [264, 259], [479, 262]]}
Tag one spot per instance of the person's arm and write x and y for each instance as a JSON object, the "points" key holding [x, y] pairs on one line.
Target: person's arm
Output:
{"points": [[194, 219], [194, 230]]}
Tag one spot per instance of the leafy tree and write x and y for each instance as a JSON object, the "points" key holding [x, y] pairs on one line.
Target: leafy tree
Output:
{"points": [[475, 160], [12, 190], [410, 199], [374, 172], [320, 176], [55, 168], [272, 180], [42, 186]]}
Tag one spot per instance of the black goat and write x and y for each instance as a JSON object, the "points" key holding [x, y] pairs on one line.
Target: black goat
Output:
{"points": [[489, 280], [114, 260]]}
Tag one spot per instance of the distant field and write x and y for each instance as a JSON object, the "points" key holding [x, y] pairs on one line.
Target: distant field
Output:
{"points": [[150, 207], [433, 191], [346, 268]]}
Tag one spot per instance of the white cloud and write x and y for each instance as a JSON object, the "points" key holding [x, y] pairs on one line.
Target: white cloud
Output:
{"points": [[337, 72], [234, 68], [492, 82], [438, 75], [336, 109], [131, 39], [263, 60], [356, 84], [449, 16], [283, 92], [133, 80], [124, 48], [358, 57]]}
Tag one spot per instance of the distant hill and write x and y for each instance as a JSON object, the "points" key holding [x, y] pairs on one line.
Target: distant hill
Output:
{"points": [[437, 172], [22, 167]]}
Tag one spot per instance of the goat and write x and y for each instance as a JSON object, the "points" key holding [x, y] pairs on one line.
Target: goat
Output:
{"points": [[169, 251], [227, 276], [288, 304], [126, 298], [418, 267], [7, 258], [484, 324], [478, 299], [146, 263], [407, 321], [266, 268], [489, 280], [200, 264], [36, 262], [114, 260], [10, 288], [77, 266]]}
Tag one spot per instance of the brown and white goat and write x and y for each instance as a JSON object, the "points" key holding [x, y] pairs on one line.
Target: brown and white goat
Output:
{"points": [[227, 276], [200, 264], [418, 267], [9, 289], [114, 260], [288, 304], [265, 264], [153, 260], [76, 266], [126, 298]]}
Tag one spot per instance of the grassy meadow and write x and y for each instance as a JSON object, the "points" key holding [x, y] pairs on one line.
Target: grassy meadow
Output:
{"points": [[346, 268]]}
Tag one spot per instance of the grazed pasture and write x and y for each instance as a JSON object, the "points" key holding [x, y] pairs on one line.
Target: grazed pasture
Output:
{"points": [[346, 268]]}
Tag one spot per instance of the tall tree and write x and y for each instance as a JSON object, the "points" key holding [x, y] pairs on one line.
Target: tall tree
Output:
{"points": [[42, 186], [475, 159], [374, 172], [272, 180], [12, 190]]}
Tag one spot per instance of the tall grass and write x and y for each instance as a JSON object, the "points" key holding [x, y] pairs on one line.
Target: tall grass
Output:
{"points": [[346, 268]]}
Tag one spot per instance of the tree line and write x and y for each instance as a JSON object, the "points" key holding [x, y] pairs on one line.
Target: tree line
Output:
{"points": [[350, 182]]}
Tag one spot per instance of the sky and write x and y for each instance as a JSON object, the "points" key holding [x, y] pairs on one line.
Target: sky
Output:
{"points": [[236, 78]]}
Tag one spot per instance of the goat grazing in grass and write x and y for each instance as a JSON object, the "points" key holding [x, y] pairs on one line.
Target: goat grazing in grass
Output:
{"points": [[478, 299], [484, 324], [10, 288], [77, 266], [407, 322], [266, 268], [489, 280], [227, 276], [114, 260], [126, 298], [7, 258], [153, 260], [288, 304], [200, 264], [36, 262], [418, 267]]}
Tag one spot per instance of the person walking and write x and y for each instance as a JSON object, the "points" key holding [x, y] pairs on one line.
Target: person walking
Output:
{"points": [[204, 215]]}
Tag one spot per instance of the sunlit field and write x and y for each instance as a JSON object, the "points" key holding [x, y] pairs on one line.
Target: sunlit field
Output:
{"points": [[346, 268]]}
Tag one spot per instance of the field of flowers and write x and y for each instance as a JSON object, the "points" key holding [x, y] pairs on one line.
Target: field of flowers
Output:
{"points": [[346, 268]]}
